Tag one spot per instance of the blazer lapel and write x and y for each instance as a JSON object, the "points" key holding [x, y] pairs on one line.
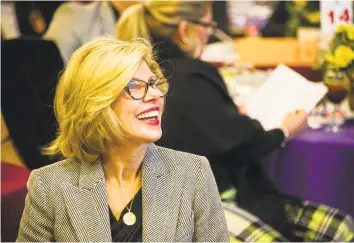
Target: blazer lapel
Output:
{"points": [[88, 207], [157, 195], [87, 204]]}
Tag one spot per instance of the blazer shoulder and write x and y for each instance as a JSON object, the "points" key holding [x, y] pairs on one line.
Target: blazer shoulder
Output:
{"points": [[58, 172], [182, 160]]}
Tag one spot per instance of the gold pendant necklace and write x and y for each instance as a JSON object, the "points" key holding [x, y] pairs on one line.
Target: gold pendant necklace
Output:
{"points": [[129, 218]]}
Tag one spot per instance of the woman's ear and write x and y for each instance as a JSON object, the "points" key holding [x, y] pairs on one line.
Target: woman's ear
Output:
{"points": [[182, 31]]}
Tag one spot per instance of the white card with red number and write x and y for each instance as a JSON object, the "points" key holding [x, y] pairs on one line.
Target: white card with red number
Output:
{"points": [[335, 13]]}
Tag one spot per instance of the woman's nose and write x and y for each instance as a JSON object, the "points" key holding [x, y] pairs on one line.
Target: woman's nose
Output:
{"points": [[153, 93]]}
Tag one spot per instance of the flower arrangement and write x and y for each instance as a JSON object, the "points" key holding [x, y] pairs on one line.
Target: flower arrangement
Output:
{"points": [[341, 51], [340, 55]]}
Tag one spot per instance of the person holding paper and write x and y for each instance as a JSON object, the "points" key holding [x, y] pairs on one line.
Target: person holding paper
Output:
{"points": [[200, 116]]}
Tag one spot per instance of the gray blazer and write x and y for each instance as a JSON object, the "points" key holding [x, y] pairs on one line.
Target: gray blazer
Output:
{"points": [[67, 201], [74, 24]]}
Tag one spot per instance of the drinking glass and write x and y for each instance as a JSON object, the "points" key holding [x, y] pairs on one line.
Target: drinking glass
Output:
{"points": [[338, 84]]}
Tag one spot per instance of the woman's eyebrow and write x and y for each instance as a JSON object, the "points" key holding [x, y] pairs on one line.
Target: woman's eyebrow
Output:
{"points": [[137, 79], [153, 78]]}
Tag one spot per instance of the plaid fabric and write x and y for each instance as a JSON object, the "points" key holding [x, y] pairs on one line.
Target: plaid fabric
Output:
{"points": [[313, 222], [244, 227], [318, 222]]}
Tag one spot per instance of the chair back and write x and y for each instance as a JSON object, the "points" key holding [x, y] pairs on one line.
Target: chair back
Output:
{"points": [[30, 70], [13, 193]]}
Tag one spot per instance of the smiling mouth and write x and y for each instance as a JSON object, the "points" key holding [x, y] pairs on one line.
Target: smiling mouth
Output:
{"points": [[151, 115]]}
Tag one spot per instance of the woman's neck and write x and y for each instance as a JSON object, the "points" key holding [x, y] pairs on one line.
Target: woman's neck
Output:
{"points": [[123, 162]]}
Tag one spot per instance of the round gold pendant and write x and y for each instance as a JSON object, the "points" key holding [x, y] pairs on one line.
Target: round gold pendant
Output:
{"points": [[129, 218]]}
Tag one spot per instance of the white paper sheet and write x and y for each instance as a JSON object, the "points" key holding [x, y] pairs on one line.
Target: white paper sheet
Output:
{"points": [[283, 92]]}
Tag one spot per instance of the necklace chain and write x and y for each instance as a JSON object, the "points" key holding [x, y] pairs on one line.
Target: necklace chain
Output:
{"points": [[121, 196]]}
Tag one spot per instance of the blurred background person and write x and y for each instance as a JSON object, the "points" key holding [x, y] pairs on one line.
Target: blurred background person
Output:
{"points": [[34, 17], [248, 18], [201, 118], [9, 22], [26, 18], [75, 23]]}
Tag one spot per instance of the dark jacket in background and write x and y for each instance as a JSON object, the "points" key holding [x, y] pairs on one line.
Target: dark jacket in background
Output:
{"points": [[201, 118], [30, 69]]}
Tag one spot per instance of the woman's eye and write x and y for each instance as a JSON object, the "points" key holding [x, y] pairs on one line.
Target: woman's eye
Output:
{"points": [[134, 84]]}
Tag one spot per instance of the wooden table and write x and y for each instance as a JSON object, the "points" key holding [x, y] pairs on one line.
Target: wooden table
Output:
{"points": [[267, 53]]}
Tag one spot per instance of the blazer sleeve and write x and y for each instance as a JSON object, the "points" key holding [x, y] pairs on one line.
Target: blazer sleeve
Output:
{"points": [[37, 222], [209, 218], [63, 29]]}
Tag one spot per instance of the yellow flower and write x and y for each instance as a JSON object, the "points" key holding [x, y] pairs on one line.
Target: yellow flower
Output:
{"points": [[342, 28], [348, 29], [344, 51], [300, 3], [343, 56], [331, 61], [329, 58], [350, 32], [314, 17]]}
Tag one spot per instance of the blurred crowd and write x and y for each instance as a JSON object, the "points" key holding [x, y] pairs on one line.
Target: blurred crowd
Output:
{"points": [[266, 18], [46, 33], [39, 38]]}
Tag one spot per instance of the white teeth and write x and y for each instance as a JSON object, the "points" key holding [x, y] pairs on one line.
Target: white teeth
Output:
{"points": [[148, 114]]}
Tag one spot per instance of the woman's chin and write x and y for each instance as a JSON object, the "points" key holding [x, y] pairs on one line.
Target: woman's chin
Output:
{"points": [[152, 137]]}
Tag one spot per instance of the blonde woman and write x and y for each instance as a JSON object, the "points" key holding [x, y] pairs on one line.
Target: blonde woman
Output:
{"points": [[201, 118], [115, 184]]}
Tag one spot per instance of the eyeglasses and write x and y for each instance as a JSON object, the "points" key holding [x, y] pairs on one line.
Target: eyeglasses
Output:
{"points": [[137, 89], [211, 26]]}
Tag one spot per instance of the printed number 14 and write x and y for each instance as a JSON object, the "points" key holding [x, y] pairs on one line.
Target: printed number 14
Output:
{"points": [[343, 17]]}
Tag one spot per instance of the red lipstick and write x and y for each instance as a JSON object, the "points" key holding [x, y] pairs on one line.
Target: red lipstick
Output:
{"points": [[155, 108]]}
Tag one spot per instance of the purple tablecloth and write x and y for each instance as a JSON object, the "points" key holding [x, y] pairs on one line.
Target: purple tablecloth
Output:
{"points": [[317, 166]]}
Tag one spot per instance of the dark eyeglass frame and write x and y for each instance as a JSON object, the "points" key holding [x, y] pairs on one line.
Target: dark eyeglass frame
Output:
{"points": [[211, 25], [151, 83]]}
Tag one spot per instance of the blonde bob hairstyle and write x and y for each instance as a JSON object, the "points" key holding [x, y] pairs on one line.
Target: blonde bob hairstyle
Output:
{"points": [[161, 18], [95, 76]]}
